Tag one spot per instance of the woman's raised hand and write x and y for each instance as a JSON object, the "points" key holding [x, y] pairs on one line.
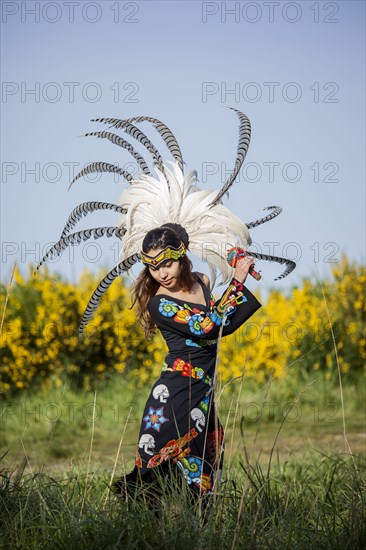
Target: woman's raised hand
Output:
{"points": [[242, 268]]}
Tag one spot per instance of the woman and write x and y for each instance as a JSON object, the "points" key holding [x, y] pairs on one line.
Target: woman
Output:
{"points": [[179, 426]]}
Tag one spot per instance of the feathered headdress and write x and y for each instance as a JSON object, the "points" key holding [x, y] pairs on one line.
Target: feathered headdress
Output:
{"points": [[168, 196]]}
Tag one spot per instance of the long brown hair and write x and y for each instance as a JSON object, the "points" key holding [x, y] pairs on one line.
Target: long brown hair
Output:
{"points": [[145, 285]]}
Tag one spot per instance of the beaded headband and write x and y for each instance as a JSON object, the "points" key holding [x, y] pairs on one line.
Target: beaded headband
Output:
{"points": [[168, 253]]}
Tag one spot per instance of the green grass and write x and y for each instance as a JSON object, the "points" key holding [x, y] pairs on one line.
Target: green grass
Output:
{"points": [[289, 479], [318, 505], [53, 429]]}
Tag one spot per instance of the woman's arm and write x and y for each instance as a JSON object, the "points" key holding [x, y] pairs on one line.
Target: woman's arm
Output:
{"points": [[237, 304], [234, 307], [235, 316]]}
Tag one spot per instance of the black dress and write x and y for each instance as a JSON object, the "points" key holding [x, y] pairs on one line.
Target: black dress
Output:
{"points": [[179, 423]]}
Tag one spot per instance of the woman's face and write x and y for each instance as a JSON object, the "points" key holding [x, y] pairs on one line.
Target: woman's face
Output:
{"points": [[168, 273]]}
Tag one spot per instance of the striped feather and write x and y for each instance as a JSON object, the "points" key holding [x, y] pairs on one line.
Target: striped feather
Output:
{"points": [[244, 141], [117, 140], [167, 135], [76, 238], [276, 211], [103, 286], [268, 258], [102, 167], [84, 209], [136, 134]]}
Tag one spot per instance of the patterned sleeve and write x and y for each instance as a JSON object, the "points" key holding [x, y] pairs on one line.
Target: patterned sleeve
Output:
{"points": [[238, 303], [234, 307]]}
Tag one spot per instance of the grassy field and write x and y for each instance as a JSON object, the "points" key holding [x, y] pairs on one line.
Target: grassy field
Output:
{"points": [[293, 477], [53, 430], [318, 505]]}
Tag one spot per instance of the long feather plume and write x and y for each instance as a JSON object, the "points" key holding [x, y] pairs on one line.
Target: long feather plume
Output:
{"points": [[117, 140], [103, 286], [78, 237], [167, 135], [244, 141], [84, 209], [136, 134], [102, 167], [276, 210], [268, 258]]}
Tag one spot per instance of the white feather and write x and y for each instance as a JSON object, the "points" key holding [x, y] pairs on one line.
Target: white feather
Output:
{"points": [[153, 201]]}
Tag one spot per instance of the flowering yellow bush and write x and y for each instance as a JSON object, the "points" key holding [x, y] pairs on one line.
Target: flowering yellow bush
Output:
{"points": [[294, 331], [39, 340]]}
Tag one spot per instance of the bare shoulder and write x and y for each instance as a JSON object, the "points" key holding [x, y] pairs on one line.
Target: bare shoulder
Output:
{"points": [[204, 278]]}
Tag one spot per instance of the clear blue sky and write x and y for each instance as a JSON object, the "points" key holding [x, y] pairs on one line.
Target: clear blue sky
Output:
{"points": [[295, 68]]}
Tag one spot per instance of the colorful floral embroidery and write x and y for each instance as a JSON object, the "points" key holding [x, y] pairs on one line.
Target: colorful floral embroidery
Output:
{"points": [[198, 321], [155, 418], [192, 468], [202, 322], [168, 308], [239, 286], [183, 316], [216, 318], [138, 460], [205, 483], [192, 471], [200, 343], [173, 449], [187, 369], [231, 298], [195, 324], [204, 404]]}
